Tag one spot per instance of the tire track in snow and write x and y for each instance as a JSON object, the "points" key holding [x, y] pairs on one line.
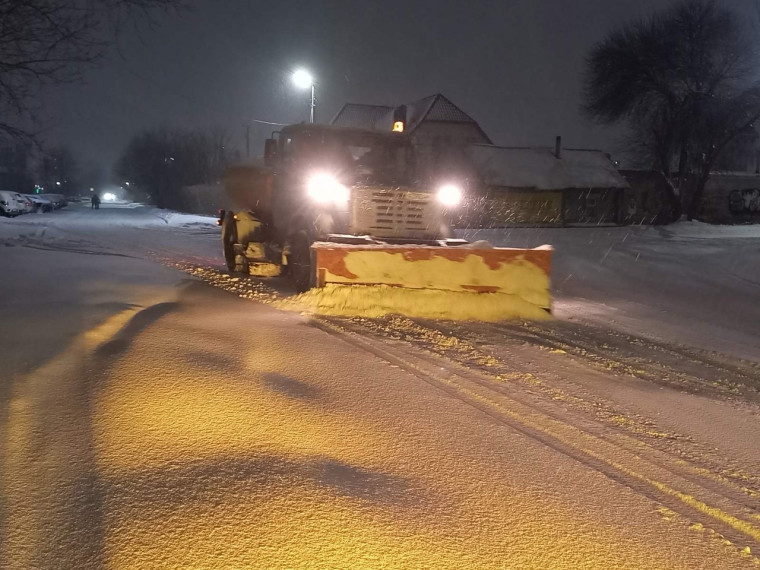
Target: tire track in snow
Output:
{"points": [[702, 500], [703, 458], [66, 248], [608, 350], [134, 241], [497, 375], [614, 348]]}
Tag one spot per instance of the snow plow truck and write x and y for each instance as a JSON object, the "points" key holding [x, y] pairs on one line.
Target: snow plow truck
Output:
{"points": [[346, 215]]}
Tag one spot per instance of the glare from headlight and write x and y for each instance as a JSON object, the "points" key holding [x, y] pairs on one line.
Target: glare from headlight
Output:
{"points": [[449, 195], [109, 197], [325, 189]]}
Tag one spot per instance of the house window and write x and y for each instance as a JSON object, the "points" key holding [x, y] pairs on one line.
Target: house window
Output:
{"points": [[591, 205]]}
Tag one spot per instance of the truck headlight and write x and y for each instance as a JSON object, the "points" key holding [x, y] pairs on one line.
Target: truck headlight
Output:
{"points": [[325, 189], [450, 195]]}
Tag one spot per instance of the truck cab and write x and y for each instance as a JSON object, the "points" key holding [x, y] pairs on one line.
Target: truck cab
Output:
{"points": [[333, 181]]}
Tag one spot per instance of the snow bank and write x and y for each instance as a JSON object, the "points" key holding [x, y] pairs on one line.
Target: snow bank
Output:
{"points": [[176, 219], [700, 230], [688, 283]]}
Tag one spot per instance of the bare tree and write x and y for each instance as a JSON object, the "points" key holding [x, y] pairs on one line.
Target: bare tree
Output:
{"points": [[16, 172], [52, 41], [59, 171], [721, 120], [682, 81], [161, 161], [146, 163]]}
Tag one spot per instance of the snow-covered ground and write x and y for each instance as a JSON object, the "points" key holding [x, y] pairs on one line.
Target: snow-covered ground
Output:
{"points": [[126, 229], [688, 283], [150, 421]]}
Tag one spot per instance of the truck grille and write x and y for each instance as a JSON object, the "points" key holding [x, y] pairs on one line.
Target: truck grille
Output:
{"points": [[398, 213]]}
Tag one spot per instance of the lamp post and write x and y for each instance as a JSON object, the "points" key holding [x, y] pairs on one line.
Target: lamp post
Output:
{"points": [[303, 80]]}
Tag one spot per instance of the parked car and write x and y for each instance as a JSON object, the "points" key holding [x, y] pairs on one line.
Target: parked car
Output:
{"points": [[41, 204], [25, 204], [9, 205], [58, 200]]}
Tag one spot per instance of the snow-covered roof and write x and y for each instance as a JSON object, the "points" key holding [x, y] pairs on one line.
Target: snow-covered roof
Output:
{"points": [[438, 108], [435, 108], [539, 168], [360, 115]]}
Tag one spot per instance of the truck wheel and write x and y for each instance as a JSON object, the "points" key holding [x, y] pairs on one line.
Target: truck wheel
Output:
{"points": [[299, 262], [229, 239]]}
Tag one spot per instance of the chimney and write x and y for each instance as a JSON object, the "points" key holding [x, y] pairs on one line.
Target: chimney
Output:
{"points": [[399, 119], [558, 147]]}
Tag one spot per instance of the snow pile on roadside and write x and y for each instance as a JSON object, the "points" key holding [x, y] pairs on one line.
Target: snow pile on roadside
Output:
{"points": [[178, 219], [373, 301], [701, 230], [688, 283]]}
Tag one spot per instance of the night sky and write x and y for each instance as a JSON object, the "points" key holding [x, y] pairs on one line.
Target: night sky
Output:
{"points": [[514, 65]]}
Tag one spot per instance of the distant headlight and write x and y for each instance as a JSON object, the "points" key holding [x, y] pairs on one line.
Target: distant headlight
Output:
{"points": [[449, 195], [109, 197], [326, 189]]}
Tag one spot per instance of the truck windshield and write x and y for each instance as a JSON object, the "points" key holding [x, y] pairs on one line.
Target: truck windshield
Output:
{"points": [[355, 159]]}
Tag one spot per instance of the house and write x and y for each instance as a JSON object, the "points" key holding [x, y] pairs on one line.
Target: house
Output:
{"points": [[547, 186], [439, 130], [512, 186], [431, 120]]}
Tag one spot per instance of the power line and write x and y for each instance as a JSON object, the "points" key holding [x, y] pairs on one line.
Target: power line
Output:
{"points": [[268, 123]]}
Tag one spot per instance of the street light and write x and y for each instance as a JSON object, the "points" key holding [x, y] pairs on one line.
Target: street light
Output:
{"points": [[303, 80]]}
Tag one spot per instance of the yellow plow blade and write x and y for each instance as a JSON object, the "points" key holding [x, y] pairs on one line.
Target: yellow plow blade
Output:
{"points": [[459, 283]]}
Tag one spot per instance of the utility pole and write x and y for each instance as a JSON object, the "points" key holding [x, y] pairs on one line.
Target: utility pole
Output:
{"points": [[313, 104], [303, 80]]}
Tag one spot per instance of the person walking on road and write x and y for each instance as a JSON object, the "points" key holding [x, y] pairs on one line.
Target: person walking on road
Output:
{"points": [[95, 201]]}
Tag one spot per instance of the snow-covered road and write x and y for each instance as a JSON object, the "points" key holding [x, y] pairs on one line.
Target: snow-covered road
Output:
{"points": [[149, 420]]}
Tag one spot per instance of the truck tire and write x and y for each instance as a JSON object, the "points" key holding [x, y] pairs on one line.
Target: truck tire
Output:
{"points": [[229, 237], [300, 266], [235, 261]]}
